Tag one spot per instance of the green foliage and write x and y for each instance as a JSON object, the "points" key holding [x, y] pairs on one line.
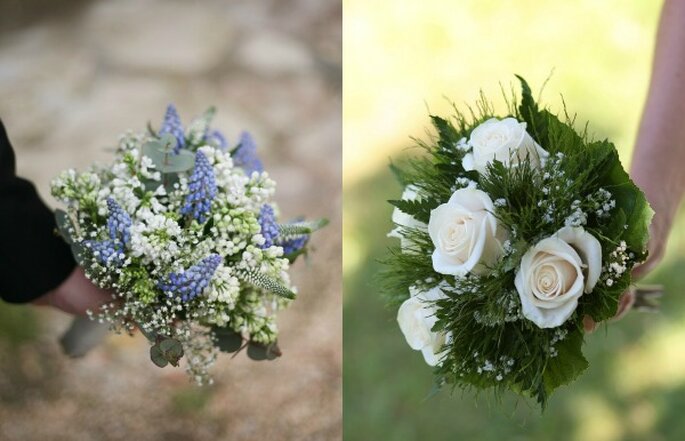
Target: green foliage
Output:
{"points": [[66, 230], [227, 340], [566, 366], [269, 284], [161, 153], [300, 228], [64, 225], [166, 351], [259, 352], [420, 210], [135, 278], [482, 314]]}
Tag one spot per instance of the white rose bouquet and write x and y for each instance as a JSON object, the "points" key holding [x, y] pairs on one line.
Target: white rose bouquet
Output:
{"points": [[512, 230], [182, 228]]}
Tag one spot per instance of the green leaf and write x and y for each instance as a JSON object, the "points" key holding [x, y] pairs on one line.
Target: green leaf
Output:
{"points": [[150, 336], [165, 160], [529, 111], [420, 210], [301, 228], [262, 281], [399, 174], [259, 352], [171, 349], [448, 134], [80, 253], [157, 356], [602, 304], [566, 366], [227, 340], [631, 200]]}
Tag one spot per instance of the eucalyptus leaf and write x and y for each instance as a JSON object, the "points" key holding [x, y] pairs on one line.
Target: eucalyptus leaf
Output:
{"points": [[157, 356], [150, 336], [168, 142], [259, 352], [166, 161], [171, 349], [227, 340], [80, 253]]}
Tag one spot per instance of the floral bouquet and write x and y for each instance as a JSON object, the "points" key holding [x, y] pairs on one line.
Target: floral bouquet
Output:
{"points": [[183, 230], [512, 230]]}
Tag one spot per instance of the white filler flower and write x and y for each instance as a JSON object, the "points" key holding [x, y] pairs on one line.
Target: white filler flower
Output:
{"points": [[555, 273], [416, 318], [465, 233], [505, 140]]}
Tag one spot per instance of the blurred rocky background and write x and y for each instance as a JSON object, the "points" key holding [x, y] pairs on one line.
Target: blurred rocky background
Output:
{"points": [[74, 74]]}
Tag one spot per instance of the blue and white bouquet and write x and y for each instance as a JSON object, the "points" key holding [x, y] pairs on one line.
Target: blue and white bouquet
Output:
{"points": [[513, 230], [182, 228]]}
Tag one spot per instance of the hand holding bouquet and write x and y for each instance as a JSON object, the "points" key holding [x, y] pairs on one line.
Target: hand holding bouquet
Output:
{"points": [[183, 230], [512, 230]]}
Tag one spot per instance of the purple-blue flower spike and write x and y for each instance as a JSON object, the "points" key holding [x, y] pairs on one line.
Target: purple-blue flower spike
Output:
{"points": [[118, 223], [192, 282], [106, 251], [245, 155], [201, 189], [172, 125], [293, 244], [267, 222], [218, 138]]}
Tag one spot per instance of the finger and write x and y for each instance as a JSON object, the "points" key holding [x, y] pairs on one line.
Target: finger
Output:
{"points": [[625, 303], [589, 325]]}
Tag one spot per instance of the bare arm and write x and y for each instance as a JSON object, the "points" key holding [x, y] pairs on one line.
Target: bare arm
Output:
{"points": [[658, 165], [75, 295]]}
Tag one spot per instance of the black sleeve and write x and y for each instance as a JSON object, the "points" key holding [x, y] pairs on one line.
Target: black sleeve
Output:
{"points": [[33, 259]]}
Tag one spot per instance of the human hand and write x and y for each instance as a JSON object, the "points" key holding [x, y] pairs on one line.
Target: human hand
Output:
{"points": [[75, 295], [625, 303]]}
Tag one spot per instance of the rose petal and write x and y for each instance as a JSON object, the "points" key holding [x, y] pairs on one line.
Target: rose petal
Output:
{"points": [[410, 317], [589, 249]]}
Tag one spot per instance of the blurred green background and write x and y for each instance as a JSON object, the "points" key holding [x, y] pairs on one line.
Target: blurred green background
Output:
{"points": [[401, 59]]}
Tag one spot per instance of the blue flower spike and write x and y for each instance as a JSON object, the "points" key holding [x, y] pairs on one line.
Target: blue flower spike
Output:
{"points": [[106, 251], [217, 138], [118, 223], [172, 125], [269, 227], [192, 282], [294, 244], [245, 155], [201, 189]]}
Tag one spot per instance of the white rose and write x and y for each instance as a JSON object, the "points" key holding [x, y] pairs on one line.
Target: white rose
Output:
{"points": [[555, 273], [402, 219], [465, 233], [416, 318], [505, 140]]}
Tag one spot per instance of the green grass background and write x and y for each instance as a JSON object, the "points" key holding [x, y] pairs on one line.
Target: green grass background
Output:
{"points": [[400, 60]]}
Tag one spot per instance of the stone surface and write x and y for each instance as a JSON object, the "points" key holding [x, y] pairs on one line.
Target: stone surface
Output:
{"points": [[172, 37], [69, 85], [270, 53]]}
